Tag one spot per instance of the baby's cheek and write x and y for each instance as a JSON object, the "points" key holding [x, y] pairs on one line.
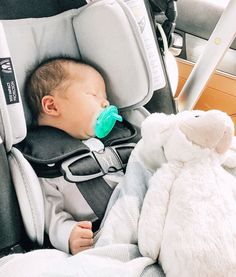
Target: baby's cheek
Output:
{"points": [[92, 131], [90, 126]]}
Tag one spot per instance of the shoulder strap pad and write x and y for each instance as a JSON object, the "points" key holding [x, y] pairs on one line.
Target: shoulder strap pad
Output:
{"points": [[47, 148], [46, 145]]}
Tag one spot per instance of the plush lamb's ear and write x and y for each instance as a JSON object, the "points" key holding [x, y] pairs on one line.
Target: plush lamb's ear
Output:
{"points": [[157, 127], [226, 140]]}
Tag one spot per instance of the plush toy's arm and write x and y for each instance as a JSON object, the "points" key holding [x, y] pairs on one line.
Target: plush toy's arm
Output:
{"points": [[230, 162], [154, 210], [144, 155]]}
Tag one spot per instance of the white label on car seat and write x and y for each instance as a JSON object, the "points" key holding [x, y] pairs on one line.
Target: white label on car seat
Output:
{"points": [[140, 13], [8, 81]]}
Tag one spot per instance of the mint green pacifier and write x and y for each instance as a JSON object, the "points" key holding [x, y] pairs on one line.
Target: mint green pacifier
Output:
{"points": [[106, 121]]}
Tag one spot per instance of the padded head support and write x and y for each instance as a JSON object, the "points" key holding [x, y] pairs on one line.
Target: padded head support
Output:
{"points": [[104, 33], [11, 109]]}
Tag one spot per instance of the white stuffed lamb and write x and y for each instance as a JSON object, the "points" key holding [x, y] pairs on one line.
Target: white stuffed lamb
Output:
{"points": [[188, 217]]}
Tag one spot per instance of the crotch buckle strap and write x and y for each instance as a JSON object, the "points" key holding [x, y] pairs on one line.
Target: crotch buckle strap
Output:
{"points": [[96, 164]]}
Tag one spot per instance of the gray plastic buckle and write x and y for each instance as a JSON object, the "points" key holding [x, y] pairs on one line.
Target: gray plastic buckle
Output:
{"points": [[108, 160], [78, 178]]}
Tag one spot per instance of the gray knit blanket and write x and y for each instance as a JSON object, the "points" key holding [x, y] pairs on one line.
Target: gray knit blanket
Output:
{"points": [[116, 251]]}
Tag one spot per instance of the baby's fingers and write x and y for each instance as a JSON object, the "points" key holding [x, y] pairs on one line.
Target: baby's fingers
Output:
{"points": [[82, 248], [85, 224], [86, 233], [86, 243]]}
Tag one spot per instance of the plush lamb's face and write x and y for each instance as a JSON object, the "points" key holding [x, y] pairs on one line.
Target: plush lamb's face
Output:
{"points": [[211, 129], [182, 136]]}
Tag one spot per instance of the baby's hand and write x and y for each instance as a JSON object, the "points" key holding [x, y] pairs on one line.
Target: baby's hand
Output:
{"points": [[81, 237]]}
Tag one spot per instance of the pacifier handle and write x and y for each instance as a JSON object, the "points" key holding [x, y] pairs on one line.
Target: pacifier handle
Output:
{"points": [[117, 117]]}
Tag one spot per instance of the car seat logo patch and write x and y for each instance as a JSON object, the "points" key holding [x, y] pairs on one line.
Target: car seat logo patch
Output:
{"points": [[8, 81], [6, 66]]}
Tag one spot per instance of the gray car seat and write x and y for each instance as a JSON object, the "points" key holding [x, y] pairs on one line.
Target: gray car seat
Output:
{"points": [[11, 229], [74, 33]]}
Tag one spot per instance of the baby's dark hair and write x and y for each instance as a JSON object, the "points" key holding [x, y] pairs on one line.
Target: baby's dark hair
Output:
{"points": [[47, 76]]}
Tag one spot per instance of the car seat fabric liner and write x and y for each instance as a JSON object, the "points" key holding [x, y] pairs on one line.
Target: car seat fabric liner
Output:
{"points": [[10, 218], [73, 28], [121, 55]]}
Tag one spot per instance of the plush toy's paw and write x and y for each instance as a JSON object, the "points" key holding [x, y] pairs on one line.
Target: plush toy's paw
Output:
{"points": [[230, 162], [146, 247]]}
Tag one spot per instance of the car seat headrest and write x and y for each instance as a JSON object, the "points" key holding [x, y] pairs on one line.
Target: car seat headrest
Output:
{"points": [[11, 110], [104, 33]]}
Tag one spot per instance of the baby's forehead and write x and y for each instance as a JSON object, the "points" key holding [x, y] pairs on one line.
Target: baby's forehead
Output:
{"points": [[81, 69], [83, 73]]}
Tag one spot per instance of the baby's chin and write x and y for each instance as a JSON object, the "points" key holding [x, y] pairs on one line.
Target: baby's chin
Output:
{"points": [[87, 135], [83, 135]]}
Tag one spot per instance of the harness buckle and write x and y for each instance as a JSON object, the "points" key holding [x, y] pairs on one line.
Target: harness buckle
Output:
{"points": [[105, 161], [65, 167]]}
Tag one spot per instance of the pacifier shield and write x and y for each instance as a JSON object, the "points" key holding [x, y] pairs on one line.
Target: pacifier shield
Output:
{"points": [[106, 121]]}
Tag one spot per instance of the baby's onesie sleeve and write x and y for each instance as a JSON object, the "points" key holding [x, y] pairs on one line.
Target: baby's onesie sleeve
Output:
{"points": [[58, 222]]}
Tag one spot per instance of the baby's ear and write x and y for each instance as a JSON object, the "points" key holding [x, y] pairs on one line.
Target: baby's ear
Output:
{"points": [[156, 127], [49, 106]]}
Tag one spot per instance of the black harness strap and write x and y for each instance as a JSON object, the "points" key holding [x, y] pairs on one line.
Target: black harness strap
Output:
{"points": [[87, 172], [97, 193], [15, 249]]}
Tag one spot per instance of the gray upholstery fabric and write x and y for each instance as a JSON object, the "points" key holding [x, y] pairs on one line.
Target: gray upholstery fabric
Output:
{"points": [[32, 40], [11, 222], [107, 37]]}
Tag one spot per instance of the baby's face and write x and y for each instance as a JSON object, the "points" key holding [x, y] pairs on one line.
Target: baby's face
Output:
{"points": [[82, 101]]}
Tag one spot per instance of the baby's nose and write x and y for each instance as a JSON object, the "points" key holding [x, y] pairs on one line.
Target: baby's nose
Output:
{"points": [[105, 103]]}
